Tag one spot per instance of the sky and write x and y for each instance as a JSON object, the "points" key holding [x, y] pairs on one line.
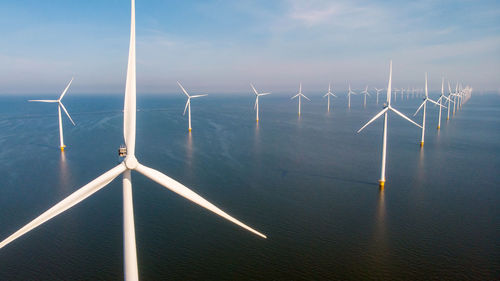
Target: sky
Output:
{"points": [[221, 46]]}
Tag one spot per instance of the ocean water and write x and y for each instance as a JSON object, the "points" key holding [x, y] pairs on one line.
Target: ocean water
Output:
{"points": [[309, 183]]}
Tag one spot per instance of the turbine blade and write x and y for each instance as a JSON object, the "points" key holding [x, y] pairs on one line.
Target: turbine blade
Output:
{"points": [[183, 90], [305, 97], [436, 103], [374, 118], [197, 96], [129, 108], [70, 201], [254, 90], [256, 101], [187, 103], [43, 100], [66, 89], [295, 96], [65, 111], [187, 193], [264, 94], [420, 107], [404, 116]]}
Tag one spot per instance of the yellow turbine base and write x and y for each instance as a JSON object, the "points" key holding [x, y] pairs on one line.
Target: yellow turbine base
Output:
{"points": [[421, 144], [257, 120], [447, 118], [189, 129], [381, 184], [62, 148], [439, 127]]}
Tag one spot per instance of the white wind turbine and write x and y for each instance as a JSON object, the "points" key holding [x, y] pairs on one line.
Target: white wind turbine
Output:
{"points": [[256, 106], [328, 96], [300, 95], [188, 103], [59, 106], [449, 100], [424, 105], [130, 163], [378, 92], [365, 92], [384, 112], [440, 101], [351, 92]]}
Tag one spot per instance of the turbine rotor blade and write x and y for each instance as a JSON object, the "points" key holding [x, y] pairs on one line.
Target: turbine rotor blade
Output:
{"points": [[254, 90], [264, 94], [374, 118], [197, 96], [295, 96], [404, 116], [436, 103], [305, 97], [43, 100], [129, 108], [187, 193], [420, 107], [70, 201], [65, 111], [256, 101], [66, 89], [187, 103], [183, 90]]}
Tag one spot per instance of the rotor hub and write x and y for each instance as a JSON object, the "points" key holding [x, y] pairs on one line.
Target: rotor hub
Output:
{"points": [[131, 162]]}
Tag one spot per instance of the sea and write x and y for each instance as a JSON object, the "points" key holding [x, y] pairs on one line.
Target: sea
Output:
{"points": [[309, 182]]}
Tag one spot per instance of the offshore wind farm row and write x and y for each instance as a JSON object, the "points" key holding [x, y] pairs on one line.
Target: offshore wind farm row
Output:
{"points": [[455, 99]]}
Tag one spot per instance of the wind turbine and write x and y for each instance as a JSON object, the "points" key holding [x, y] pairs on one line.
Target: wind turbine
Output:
{"points": [[378, 92], [300, 95], [59, 106], [440, 100], [328, 95], [188, 103], [424, 105], [130, 163], [365, 92], [351, 92], [449, 100], [384, 112], [256, 106]]}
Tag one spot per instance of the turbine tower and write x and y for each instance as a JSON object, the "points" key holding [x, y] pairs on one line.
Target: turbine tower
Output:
{"points": [[188, 103], [129, 164], [256, 106], [384, 112], [328, 96], [300, 95], [59, 106]]}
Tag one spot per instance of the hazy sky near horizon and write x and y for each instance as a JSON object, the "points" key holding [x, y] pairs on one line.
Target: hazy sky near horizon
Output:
{"points": [[221, 46]]}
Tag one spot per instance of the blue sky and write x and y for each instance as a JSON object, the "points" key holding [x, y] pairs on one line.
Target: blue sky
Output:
{"points": [[221, 46]]}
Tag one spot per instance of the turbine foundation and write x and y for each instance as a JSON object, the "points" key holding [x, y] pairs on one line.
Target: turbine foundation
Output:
{"points": [[421, 144], [62, 148], [381, 184]]}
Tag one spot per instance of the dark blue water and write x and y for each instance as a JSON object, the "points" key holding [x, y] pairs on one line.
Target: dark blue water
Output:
{"points": [[309, 183]]}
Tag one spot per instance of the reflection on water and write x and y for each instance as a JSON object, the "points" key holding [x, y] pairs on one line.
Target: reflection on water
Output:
{"points": [[64, 182], [381, 255]]}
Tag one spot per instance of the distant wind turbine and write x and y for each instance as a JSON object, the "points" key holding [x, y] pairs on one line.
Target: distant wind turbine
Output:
{"points": [[440, 101], [328, 96], [60, 105], [424, 105], [351, 92], [130, 163], [378, 92], [365, 92], [300, 95], [188, 103], [256, 106], [384, 112], [449, 100]]}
